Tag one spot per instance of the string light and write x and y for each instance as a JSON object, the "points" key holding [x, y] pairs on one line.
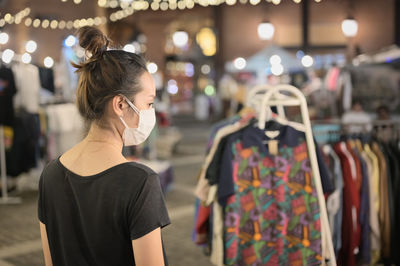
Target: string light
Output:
{"points": [[31, 46], [45, 23], [70, 41], [121, 14], [7, 56], [102, 3], [174, 4], [62, 24], [48, 62], [3, 38], [28, 22], [10, 19], [239, 63], [307, 61], [26, 58], [152, 67], [128, 8], [54, 24], [36, 23]]}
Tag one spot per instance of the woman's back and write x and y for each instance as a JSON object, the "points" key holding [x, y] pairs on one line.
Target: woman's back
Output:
{"points": [[92, 220], [95, 207]]}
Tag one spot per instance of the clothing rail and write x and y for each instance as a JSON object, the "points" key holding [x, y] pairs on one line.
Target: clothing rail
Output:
{"points": [[335, 129], [5, 199], [373, 123]]}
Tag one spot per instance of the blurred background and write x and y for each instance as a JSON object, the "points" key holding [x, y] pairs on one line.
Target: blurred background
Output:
{"points": [[205, 56]]}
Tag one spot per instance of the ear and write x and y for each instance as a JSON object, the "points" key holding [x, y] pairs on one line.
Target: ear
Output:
{"points": [[118, 105]]}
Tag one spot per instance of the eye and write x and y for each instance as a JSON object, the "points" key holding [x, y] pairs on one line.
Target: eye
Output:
{"points": [[151, 104]]}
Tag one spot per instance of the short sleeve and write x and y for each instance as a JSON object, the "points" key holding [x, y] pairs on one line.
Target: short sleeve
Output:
{"points": [[225, 182], [147, 211], [41, 200], [213, 170]]}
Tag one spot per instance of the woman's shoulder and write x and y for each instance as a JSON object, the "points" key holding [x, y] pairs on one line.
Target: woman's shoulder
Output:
{"points": [[51, 167], [139, 169], [133, 176]]}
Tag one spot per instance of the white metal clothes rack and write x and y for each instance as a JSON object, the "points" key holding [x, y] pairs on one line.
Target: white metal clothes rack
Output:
{"points": [[274, 97]]}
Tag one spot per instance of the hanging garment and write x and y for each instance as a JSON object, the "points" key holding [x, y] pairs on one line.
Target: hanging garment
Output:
{"points": [[24, 153], [335, 200], [373, 212], [375, 174], [28, 87], [217, 251], [365, 244], [218, 135], [270, 202], [347, 90], [202, 224], [7, 92], [396, 194], [351, 205], [209, 176], [393, 166], [47, 78], [384, 212]]}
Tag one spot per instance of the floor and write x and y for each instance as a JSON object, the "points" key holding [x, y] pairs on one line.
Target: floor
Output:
{"points": [[19, 230]]}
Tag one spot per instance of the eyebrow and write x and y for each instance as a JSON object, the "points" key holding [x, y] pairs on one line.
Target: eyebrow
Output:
{"points": [[152, 96]]}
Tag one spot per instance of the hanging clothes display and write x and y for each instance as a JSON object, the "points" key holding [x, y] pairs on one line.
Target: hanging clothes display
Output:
{"points": [[27, 81], [47, 78], [271, 207], [370, 171], [24, 153], [265, 205], [7, 92]]}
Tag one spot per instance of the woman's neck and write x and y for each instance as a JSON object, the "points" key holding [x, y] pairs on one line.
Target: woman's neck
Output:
{"points": [[106, 137]]}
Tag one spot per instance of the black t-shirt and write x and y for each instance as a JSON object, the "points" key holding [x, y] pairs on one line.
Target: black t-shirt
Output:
{"points": [[92, 220]]}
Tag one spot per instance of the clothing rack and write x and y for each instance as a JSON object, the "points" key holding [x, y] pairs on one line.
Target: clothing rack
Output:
{"points": [[373, 123], [278, 96], [376, 125], [5, 199]]}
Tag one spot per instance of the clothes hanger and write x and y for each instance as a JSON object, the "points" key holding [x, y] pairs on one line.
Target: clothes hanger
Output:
{"points": [[278, 99]]}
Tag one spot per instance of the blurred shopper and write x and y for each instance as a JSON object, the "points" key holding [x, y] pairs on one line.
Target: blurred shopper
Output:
{"points": [[357, 120], [383, 129], [382, 113]]}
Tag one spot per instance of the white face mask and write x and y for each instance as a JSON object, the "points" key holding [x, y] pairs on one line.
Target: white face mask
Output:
{"points": [[147, 121]]}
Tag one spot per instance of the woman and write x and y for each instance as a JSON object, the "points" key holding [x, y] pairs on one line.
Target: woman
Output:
{"points": [[95, 207]]}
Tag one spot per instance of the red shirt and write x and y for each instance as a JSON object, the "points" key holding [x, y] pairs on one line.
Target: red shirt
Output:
{"points": [[351, 229]]}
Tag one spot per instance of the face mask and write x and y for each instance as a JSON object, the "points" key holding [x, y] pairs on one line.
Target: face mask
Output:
{"points": [[136, 136]]}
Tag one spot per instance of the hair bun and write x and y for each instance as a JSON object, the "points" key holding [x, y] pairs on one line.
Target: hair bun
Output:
{"points": [[93, 40]]}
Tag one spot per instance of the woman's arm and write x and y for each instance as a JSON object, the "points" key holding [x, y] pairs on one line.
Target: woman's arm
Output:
{"points": [[45, 245], [148, 249]]}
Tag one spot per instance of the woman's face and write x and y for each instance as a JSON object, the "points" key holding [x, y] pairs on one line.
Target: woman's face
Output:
{"points": [[144, 99]]}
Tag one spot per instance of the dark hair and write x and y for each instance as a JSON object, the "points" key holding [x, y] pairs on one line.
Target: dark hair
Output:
{"points": [[105, 74], [355, 102], [382, 108]]}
